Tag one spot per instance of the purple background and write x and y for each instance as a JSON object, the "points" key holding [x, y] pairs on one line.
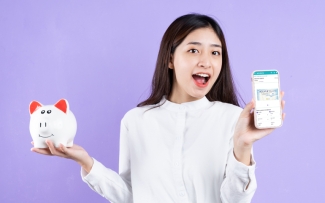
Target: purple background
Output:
{"points": [[100, 55]]}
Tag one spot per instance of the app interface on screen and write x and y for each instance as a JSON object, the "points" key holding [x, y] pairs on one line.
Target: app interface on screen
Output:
{"points": [[267, 96]]}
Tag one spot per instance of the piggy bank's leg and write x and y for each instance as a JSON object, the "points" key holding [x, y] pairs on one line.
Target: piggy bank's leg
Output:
{"points": [[70, 143], [57, 143], [40, 143], [64, 142]]}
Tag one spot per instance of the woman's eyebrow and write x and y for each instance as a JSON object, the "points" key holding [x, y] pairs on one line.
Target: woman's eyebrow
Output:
{"points": [[198, 43]]}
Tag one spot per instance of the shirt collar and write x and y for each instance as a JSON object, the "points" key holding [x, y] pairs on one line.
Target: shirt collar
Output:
{"points": [[187, 106]]}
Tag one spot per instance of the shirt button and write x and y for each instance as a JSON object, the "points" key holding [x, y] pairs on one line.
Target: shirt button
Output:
{"points": [[182, 194]]}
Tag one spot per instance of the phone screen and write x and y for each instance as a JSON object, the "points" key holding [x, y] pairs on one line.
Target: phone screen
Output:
{"points": [[266, 89]]}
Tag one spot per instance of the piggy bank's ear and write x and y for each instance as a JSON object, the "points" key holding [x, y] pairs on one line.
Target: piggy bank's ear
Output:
{"points": [[63, 105], [33, 106]]}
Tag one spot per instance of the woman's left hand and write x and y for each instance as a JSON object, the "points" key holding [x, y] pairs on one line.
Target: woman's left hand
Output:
{"points": [[246, 133]]}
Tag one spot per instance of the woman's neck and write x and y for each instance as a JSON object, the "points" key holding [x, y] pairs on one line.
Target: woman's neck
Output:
{"points": [[179, 97]]}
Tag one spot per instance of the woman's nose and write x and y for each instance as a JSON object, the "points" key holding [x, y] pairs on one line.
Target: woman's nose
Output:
{"points": [[204, 61]]}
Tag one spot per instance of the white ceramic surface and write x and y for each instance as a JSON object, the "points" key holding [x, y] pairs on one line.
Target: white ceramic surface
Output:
{"points": [[52, 122]]}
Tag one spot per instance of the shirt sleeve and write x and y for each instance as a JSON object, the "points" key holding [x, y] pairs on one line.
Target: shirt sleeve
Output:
{"points": [[239, 184], [106, 182]]}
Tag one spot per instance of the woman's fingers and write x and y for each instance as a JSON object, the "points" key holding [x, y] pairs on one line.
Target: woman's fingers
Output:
{"points": [[50, 145], [247, 110], [63, 149], [282, 101], [44, 151], [282, 104], [55, 151]]}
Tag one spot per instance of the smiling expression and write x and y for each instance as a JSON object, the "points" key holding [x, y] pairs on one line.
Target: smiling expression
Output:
{"points": [[45, 136]]}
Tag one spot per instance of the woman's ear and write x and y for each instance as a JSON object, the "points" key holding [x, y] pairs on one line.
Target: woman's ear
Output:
{"points": [[170, 64]]}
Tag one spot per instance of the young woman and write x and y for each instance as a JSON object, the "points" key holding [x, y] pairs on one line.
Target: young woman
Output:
{"points": [[189, 141]]}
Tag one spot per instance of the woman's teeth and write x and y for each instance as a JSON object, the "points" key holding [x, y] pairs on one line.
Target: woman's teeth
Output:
{"points": [[202, 75], [201, 78]]}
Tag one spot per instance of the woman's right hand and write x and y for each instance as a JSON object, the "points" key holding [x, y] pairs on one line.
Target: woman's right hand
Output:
{"points": [[75, 153]]}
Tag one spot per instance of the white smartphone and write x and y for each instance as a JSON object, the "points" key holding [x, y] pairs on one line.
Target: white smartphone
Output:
{"points": [[266, 93]]}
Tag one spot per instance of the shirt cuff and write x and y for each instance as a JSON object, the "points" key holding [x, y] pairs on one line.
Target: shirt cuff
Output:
{"points": [[239, 169], [95, 174]]}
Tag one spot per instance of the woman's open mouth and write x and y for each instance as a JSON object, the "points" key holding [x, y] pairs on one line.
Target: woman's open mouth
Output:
{"points": [[201, 79]]}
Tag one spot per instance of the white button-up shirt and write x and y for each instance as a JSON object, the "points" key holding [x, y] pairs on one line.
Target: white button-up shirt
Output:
{"points": [[176, 153]]}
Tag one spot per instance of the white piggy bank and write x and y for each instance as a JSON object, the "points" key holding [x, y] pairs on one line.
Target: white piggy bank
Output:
{"points": [[52, 122]]}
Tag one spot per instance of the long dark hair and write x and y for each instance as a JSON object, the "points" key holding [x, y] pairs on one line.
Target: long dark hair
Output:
{"points": [[223, 89]]}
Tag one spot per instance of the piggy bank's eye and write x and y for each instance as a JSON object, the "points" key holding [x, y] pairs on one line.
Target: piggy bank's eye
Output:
{"points": [[49, 111], [43, 111]]}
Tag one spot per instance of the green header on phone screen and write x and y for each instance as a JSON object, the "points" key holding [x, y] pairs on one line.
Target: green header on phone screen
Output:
{"points": [[266, 72]]}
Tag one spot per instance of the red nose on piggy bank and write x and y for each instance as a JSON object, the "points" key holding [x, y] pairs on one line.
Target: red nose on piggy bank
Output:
{"points": [[52, 122]]}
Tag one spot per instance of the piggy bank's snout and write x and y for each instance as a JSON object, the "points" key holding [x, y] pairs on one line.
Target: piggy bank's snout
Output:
{"points": [[44, 126]]}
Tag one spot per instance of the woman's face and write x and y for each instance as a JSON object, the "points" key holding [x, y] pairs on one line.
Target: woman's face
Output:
{"points": [[196, 63]]}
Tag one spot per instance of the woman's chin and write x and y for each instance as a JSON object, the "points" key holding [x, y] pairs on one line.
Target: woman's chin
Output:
{"points": [[198, 94]]}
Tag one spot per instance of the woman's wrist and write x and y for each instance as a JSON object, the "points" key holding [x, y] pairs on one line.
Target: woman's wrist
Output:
{"points": [[86, 163], [243, 153]]}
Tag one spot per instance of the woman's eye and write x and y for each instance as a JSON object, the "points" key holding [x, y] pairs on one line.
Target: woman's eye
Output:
{"points": [[193, 51], [216, 53]]}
